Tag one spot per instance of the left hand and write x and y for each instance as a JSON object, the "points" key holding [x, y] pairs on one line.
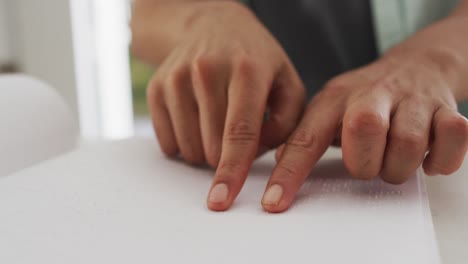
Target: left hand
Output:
{"points": [[386, 115]]}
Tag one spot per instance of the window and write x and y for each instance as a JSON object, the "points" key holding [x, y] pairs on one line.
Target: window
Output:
{"points": [[141, 74], [101, 41]]}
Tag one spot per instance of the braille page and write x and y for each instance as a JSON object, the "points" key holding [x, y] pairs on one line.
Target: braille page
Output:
{"points": [[125, 203]]}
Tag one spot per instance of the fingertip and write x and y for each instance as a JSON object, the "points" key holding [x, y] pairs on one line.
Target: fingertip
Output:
{"points": [[395, 179], [275, 209], [170, 151], [432, 168], [218, 197], [218, 207], [273, 200]]}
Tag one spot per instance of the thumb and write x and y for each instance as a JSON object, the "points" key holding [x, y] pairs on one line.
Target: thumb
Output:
{"points": [[279, 153], [285, 107]]}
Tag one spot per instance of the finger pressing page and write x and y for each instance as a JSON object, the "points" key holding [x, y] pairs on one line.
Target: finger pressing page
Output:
{"points": [[301, 152], [183, 112], [408, 140], [247, 96], [161, 122], [364, 135], [450, 144]]}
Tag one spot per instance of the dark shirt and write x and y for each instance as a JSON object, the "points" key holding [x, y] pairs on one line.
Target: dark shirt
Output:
{"points": [[323, 38]]}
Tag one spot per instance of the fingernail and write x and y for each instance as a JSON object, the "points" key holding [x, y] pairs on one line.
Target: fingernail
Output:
{"points": [[219, 193], [273, 195]]}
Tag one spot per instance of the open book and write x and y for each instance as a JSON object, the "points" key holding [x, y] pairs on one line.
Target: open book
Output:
{"points": [[124, 202]]}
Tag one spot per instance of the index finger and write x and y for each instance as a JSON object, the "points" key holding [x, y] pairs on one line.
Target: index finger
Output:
{"points": [[247, 98], [303, 149]]}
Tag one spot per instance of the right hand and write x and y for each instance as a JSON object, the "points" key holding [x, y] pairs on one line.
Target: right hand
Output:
{"points": [[209, 96]]}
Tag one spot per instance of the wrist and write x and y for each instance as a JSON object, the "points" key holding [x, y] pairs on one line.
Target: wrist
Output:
{"points": [[215, 13], [446, 63], [159, 26]]}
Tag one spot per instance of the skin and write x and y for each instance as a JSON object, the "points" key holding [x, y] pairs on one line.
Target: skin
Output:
{"points": [[220, 70]]}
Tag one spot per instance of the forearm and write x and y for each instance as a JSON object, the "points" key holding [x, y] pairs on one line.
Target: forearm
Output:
{"points": [[445, 44], [158, 25]]}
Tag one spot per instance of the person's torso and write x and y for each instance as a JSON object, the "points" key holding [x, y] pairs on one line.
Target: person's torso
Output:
{"points": [[323, 38]]}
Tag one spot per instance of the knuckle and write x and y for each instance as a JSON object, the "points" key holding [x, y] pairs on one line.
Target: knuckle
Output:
{"points": [[208, 73], [457, 125], [178, 77], [420, 99], [241, 132], [409, 142], [367, 124], [245, 64], [229, 171], [303, 139], [230, 166], [154, 88], [336, 87], [285, 173], [203, 66], [392, 84], [416, 120]]}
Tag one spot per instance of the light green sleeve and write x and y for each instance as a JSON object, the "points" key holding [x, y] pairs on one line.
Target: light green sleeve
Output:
{"points": [[396, 20]]}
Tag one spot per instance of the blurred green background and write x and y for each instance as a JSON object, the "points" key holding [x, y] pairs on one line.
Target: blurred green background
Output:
{"points": [[141, 74], [464, 109]]}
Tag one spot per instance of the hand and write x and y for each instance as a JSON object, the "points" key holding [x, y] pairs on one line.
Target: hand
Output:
{"points": [[387, 116], [209, 96]]}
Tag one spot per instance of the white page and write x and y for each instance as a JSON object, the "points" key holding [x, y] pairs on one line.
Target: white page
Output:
{"points": [[35, 123], [125, 203]]}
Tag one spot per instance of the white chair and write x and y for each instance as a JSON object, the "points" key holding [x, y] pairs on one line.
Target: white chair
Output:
{"points": [[35, 123]]}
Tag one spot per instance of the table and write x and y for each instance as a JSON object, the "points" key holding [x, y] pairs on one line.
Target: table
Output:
{"points": [[448, 198]]}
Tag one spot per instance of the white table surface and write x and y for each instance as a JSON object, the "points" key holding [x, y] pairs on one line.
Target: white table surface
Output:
{"points": [[448, 197]]}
